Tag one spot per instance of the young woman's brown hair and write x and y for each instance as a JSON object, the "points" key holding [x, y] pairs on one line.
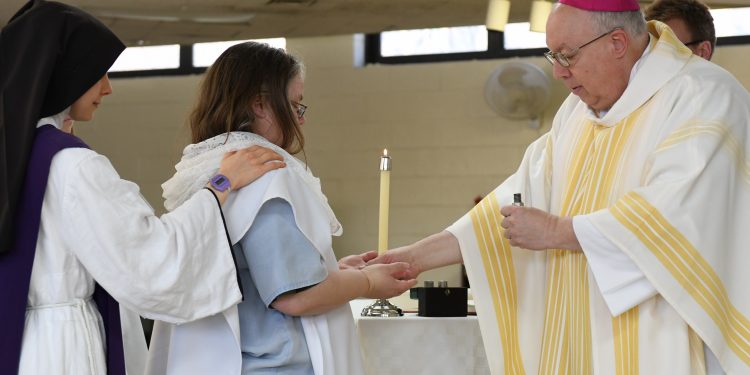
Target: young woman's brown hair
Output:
{"points": [[239, 75]]}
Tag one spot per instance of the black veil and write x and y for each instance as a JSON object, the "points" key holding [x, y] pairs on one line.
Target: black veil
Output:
{"points": [[50, 55]]}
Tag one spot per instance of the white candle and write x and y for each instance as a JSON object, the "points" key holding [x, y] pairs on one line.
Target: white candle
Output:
{"points": [[385, 185]]}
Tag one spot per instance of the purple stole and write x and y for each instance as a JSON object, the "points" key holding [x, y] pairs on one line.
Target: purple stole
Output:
{"points": [[15, 266]]}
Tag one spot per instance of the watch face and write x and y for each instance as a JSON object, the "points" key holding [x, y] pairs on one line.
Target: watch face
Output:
{"points": [[220, 182]]}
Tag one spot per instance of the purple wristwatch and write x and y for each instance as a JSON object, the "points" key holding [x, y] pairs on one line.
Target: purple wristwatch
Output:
{"points": [[220, 183]]}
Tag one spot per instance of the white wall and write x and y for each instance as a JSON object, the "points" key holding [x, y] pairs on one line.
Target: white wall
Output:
{"points": [[447, 145]]}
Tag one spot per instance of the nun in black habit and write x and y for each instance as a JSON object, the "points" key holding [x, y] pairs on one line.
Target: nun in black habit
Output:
{"points": [[75, 238]]}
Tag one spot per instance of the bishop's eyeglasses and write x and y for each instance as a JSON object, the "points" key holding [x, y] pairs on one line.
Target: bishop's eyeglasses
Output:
{"points": [[564, 58]]}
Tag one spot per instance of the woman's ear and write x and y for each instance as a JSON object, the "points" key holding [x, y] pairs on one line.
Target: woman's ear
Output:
{"points": [[260, 109]]}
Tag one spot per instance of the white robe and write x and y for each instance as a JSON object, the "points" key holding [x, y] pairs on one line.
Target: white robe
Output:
{"points": [[96, 227], [331, 337], [663, 176]]}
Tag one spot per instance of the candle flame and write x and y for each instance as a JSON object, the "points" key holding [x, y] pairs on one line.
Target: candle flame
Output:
{"points": [[385, 152]]}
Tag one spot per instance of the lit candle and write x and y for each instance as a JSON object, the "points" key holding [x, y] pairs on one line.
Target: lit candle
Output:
{"points": [[385, 185]]}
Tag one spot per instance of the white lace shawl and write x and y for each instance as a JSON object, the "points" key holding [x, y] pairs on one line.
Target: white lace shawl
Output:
{"points": [[201, 160]]}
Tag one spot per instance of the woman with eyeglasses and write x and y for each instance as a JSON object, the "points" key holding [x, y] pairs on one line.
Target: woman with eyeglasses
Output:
{"points": [[295, 317]]}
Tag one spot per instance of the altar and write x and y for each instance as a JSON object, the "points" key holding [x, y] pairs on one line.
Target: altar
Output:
{"points": [[413, 345]]}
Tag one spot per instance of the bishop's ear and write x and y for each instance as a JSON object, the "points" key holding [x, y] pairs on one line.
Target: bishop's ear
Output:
{"points": [[620, 42]]}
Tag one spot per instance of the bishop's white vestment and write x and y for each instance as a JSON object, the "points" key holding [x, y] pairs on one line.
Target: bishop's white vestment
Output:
{"points": [[664, 176]]}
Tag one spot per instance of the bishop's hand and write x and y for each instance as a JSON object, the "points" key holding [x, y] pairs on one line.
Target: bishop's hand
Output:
{"points": [[402, 254], [534, 229]]}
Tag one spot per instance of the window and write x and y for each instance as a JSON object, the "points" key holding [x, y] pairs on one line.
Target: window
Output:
{"points": [[204, 54], [731, 22], [166, 60], [433, 41], [518, 36], [476, 42], [453, 43], [148, 58]]}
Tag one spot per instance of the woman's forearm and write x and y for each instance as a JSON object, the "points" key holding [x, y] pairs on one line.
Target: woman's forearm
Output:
{"points": [[341, 286]]}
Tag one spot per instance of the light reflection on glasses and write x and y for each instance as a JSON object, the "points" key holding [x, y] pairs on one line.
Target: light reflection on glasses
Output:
{"points": [[564, 58], [299, 108]]}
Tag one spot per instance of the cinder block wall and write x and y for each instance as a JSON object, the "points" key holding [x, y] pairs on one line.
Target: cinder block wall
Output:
{"points": [[447, 145]]}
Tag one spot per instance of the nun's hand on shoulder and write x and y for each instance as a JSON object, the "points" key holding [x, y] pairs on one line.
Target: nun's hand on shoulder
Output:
{"points": [[244, 166]]}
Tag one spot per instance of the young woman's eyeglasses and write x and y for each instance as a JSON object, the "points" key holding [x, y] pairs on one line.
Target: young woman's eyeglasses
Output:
{"points": [[564, 58], [299, 108]]}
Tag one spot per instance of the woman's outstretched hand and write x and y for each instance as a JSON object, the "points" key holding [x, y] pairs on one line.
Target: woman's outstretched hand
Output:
{"points": [[358, 261], [387, 280]]}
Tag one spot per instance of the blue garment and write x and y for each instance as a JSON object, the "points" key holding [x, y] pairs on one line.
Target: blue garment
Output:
{"points": [[274, 258]]}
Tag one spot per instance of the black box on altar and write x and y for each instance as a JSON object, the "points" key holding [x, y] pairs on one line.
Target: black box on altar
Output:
{"points": [[440, 301]]}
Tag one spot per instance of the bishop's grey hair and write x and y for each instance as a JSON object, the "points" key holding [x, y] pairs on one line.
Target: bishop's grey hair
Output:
{"points": [[632, 22]]}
